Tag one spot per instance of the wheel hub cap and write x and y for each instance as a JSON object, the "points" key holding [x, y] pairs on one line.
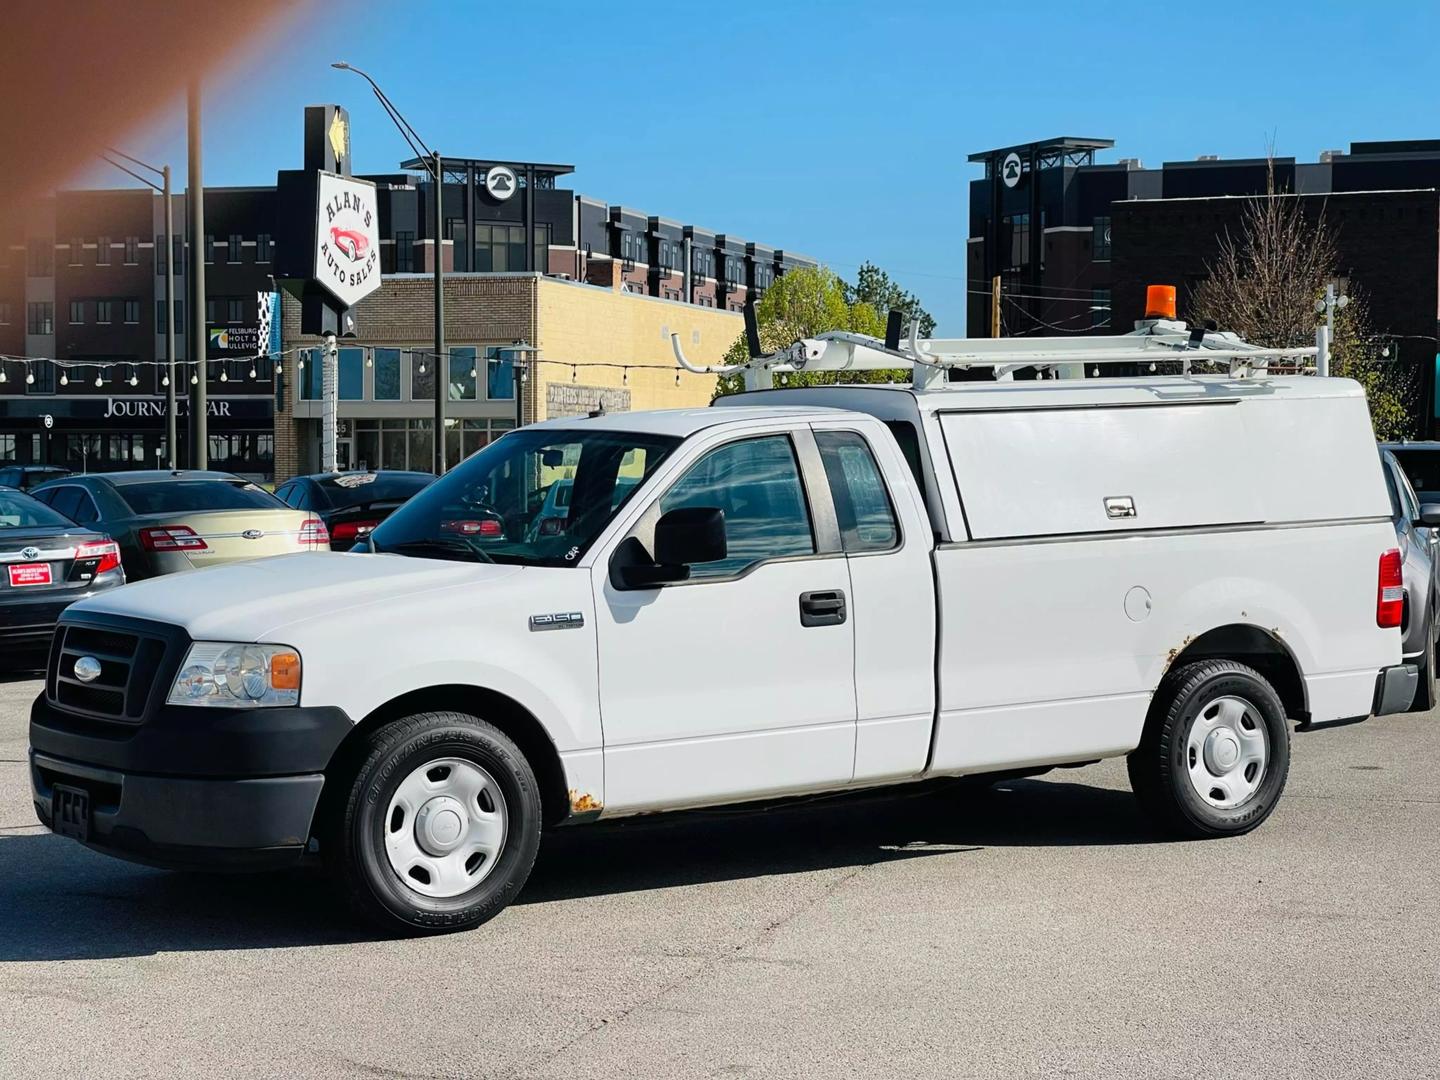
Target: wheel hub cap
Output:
{"points": [[1227, 752], [445, 827], [1222, 750], [440, 825]]}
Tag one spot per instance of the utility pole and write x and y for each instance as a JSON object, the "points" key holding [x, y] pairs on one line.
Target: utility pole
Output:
{"points": [[995, 306], [195, 203], [164, 173]]}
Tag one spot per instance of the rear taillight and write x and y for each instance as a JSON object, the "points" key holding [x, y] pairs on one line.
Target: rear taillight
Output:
{"points": [[1390, 594], [489, 528], [352, 530], [172, 538], [107, 551], [313, 533]]}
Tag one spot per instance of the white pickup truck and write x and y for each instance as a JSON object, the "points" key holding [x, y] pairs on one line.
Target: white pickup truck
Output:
{"points": [[801, 591]]}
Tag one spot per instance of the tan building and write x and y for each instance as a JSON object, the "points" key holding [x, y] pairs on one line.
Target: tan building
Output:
{"points": [[593, 346]]}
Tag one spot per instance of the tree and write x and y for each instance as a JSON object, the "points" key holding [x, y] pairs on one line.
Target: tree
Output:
{"points": [[874, 287], [1264, 284], [802, 303]]}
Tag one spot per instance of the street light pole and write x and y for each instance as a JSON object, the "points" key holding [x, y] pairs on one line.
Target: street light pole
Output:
{"points": [[431, 160], [199, 442], [164, 188]]}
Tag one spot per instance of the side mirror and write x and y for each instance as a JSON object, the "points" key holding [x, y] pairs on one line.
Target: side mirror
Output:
{"points": [[1430, 515], [684, 537]]}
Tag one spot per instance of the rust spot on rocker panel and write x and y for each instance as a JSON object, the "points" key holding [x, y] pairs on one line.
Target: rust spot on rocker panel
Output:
{"points": [[582, 802]]}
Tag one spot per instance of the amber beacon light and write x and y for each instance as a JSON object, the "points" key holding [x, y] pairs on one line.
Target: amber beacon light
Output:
{"points": [[1160, 301]]}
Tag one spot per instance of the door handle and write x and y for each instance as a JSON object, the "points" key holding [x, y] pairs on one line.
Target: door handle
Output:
{"points": [[822, 608]]}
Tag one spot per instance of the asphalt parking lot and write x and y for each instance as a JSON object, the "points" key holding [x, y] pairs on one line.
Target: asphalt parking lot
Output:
{"points": [[1039, 930]]}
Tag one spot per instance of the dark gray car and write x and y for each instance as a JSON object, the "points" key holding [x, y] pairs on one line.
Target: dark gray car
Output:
{"points": [[1416, 534]]}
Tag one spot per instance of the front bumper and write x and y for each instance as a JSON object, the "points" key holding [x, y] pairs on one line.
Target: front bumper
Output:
{"points": [[1395, 689], [190, 787]]}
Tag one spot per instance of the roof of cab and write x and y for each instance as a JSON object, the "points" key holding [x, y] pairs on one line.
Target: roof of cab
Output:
{"points": [[685, 422]]}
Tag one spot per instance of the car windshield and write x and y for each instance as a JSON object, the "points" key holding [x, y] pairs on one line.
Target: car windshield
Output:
{"points": [[364, 489], [497, 506], [19, 511], [180, 496], [1423, 469]]}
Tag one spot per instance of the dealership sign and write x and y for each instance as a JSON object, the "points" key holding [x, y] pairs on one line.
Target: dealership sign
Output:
{"points": [[347, 238]]}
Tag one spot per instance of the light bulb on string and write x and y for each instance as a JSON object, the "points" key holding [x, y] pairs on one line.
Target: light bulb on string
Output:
{"points": [[194, 379], [625, 376], [574, 372], [64, 379], [369, 357], [165, 380], [252, 371], [224, 375], [3, 376], [134, 379], [422, 367], [99, 380], [1152, 365], [29, 377]]}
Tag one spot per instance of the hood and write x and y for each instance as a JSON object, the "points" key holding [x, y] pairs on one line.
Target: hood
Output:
{"points": [[253, 601]]}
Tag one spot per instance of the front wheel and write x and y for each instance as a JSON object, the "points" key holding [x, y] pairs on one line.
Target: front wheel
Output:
{"points": [[1216, 751], [441, 825]]}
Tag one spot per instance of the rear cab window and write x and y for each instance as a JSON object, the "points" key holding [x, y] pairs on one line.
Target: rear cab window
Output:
{"points": [[863, 509]]}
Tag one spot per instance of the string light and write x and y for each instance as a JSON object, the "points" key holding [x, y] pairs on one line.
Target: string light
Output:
{"points": [[64, 379], [99, 380], [3, 376], [224, 375], [165, 380], [625, 376], [252, 371], [574, 372], [134, 379], [369, 359], [194, 379], [29, 376], [422, 367]]}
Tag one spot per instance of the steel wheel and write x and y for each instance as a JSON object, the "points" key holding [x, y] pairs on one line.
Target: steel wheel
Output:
{"points": [[445, 827], [1227, 751]]}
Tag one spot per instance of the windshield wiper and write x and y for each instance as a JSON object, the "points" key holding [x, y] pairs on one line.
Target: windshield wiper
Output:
{"points": [[443, 546]]}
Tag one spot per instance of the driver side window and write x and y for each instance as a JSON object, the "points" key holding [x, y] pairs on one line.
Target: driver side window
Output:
{"points": [[756, 482]]}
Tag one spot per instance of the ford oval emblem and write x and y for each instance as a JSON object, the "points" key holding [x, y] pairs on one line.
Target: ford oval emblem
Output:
{"points": [[252, 534], [87, 669], [29, 553]]}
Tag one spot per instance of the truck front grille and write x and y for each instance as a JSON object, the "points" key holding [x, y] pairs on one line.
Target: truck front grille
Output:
{"points": [[129, 663]]}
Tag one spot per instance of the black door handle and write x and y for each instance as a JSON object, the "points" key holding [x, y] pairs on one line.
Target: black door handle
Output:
{"points": [[824, 608]]}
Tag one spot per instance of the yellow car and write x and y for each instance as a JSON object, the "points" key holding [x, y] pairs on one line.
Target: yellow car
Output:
{"points": [[166, 522]]}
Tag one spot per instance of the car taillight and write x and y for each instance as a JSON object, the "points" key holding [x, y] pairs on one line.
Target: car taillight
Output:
{"points": [[313, 533], [489, 528], [352, 530], [1390, 594], [172, 538], [107, 551]]}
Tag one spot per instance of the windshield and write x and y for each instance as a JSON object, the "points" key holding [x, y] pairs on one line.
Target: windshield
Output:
{"points": [[365, 489], [503, 504], [181, 496], [22, 512]]}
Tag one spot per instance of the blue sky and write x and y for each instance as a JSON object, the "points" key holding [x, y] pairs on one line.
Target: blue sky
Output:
{"points": [[839, 130]]}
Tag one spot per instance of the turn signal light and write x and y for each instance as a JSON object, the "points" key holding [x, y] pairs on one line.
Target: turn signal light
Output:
{"points": [[1390, 596], [313, 533], [172, 538], [107, 551], [285, 671]]}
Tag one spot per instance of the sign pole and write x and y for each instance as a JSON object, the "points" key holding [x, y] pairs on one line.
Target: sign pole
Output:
{"points": [[329, 447]]}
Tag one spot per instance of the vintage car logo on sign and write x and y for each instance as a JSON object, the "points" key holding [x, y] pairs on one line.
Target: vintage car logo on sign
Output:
{"points": [[29, 553], [87, 669]]}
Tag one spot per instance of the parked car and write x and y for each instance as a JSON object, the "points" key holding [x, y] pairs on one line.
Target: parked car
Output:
{"points": [[1421, 464], [166, 522], [47, 562], [1415, 532], [351, 504], [25, 477], [784, 602]]}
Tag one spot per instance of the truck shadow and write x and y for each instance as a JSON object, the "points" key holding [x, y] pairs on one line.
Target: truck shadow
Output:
{"points": [[63, 902]]}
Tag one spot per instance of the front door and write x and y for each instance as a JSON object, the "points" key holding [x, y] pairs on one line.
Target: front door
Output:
{"points": [[738, 683]]}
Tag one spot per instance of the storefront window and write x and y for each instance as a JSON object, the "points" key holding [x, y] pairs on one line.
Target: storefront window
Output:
{"points": [[500, 373], [421, 444], [422, 377], [462, 373], [393, 442], [311, 376], [387, 375], [351, 374]]}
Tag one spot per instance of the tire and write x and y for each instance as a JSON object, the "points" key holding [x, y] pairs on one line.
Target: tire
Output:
{"points": [[436, 801], [1425, 690], [1203, 787]]}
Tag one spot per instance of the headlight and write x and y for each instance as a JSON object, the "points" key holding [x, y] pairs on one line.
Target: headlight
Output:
{"points": [[219, 673]]}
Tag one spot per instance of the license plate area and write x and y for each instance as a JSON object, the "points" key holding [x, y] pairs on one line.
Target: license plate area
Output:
{"points": [[70, 812], [23, 574]]}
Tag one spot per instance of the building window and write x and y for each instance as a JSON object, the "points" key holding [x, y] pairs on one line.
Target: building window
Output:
{"points": [[455, 233], [160, 255], [132, 250], [542, 248], [40, 253], [103, 314], [232, 248], [40, 317], [263, 244], [1100, 244], [702, 262], [210, 311], [1016, 228], [235, 309], [462, 373], [499, 248], [44, 372], [422, 376], [387, 378], [132, 312], [404, 252], [499, 373], [350, 374], [77, 312], [311, 377], [179, 253], [77, 248], [1099, 307], [209, 248]]}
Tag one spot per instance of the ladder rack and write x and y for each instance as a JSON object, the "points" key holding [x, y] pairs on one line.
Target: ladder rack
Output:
{"points": [[929, 360]]}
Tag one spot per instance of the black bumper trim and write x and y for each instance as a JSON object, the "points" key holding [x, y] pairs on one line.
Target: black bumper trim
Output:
{"points": [[1395, 689], [183, 822], [194, 741]]}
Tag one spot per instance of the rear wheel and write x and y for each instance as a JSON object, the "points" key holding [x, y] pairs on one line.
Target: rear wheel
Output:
{"points": [[441, 826], [1216, 751]]}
